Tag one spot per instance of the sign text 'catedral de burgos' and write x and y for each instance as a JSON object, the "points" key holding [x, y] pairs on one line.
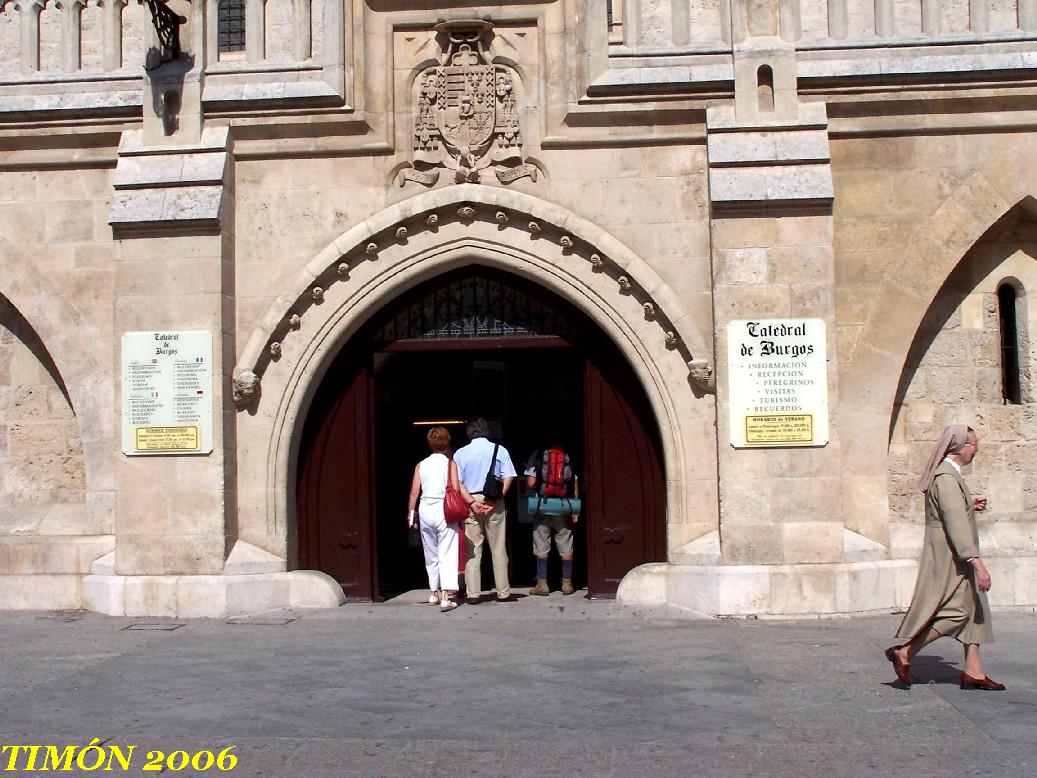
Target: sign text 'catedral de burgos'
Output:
{"points": [[778, 378], [167, 392]]}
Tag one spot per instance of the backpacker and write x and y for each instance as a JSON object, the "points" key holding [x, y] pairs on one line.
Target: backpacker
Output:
{"points": [[555, 473]]}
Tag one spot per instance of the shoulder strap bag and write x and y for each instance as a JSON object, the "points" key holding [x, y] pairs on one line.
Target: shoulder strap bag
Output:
{"points": [[493, 488]]}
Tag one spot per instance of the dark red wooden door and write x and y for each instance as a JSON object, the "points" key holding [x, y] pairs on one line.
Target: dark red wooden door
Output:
{"points": [[335, 505], [623, 487]]}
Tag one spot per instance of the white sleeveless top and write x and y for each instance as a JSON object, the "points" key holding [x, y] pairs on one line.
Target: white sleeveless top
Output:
{"points": [[433, 471]]}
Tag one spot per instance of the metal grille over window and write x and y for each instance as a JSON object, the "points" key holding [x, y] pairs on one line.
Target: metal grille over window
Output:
{"points": [[232, 26], [473, 306]]}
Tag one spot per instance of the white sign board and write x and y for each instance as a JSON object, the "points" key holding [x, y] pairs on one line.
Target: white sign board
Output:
{"points": [[167, 392], [778, 378]]}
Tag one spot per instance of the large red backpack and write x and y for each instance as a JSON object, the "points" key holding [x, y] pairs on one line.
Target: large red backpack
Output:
{"points": [[555, 473]]}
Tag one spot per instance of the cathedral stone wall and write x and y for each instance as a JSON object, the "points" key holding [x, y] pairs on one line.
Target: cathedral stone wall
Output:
{"points": [[866, 163], [41, 457]]}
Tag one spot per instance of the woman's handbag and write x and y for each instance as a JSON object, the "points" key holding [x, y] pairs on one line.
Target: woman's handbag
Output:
{"points": [[455, 508]]}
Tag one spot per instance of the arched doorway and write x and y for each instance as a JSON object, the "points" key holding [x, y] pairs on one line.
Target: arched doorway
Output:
{"points": [[475, 342]]}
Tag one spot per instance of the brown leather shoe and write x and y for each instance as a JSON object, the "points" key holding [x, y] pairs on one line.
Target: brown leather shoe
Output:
{"points": [[985, 683], [902, 669]]}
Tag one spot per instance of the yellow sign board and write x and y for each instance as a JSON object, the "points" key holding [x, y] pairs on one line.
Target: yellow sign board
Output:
{"points": [[774, 428], [166, 438]]}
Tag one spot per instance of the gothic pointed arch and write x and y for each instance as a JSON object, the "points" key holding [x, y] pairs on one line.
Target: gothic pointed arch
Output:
{"points": [[417, 239]]}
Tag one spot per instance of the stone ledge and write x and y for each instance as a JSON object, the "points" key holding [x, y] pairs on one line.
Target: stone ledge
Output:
{"points": [[815, 591], [40, 592], [208, 596]]}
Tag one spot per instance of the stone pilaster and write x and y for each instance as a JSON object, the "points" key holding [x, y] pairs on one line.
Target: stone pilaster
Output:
{"points": [[173, 216], [772, 251]]}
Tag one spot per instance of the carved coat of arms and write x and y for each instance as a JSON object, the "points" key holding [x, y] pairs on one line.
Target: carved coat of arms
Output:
{"points": [[466, 118]]}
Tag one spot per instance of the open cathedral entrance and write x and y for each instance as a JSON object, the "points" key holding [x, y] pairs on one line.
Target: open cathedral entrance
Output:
{"points": [[476, 342]]}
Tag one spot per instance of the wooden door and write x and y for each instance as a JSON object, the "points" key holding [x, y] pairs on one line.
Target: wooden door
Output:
{"points": [[623, 486], [335, 497]]}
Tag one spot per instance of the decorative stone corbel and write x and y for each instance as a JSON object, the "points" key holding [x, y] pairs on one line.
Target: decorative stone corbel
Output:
{"points": [[567, 243], [597, 262], [671, 339], [624, 283], [371, 249], [295, 321], [432, 221], [244, 386], [535, 228], [649, 310], [502, 218], [401, 234], [317, 293], [702, 375], [275, 349], [466, 213], [343, 269]]}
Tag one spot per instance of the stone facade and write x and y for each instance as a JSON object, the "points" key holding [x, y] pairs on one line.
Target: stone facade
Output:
{"points": [[664, 168]]}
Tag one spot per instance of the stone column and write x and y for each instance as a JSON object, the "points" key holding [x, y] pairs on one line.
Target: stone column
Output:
{"points": [[838, 20], [172, 217], [71, 34], [771, 195], [302, 27], [113, 11], [931, 17], [255, 30], [979, 16], [29, 34]]}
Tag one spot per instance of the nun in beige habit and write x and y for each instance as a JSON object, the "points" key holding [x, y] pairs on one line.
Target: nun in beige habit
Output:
{"points": [[950, 598]]}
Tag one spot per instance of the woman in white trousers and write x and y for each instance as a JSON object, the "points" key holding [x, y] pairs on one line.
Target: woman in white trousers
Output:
{"points": [[438, 539]]}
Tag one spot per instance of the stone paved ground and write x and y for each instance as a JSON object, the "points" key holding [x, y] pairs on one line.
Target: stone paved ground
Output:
{"points": [[564, 688]]}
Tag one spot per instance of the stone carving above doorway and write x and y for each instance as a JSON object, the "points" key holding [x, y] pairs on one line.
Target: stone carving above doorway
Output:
{"points": [[466, 116], [407, 230]]}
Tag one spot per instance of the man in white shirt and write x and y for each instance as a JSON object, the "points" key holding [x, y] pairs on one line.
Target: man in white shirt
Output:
{"points": [[487, 519]]}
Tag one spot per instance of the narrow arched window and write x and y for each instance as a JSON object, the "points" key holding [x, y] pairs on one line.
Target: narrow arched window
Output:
{"points": [[1011, 389], [231, 26], [765, 89]]}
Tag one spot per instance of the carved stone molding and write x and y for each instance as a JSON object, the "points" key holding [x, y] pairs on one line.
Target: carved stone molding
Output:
{"points": [[703, 375], [244, 386], [411, 224], [466, 113]]}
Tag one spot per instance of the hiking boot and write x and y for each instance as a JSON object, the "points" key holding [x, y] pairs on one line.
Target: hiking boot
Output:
{"points": [[567, 586], [540, 590]]}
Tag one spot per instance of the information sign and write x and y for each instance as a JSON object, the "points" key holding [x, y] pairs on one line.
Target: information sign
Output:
{"points": [[167, 386], [778, 378]]}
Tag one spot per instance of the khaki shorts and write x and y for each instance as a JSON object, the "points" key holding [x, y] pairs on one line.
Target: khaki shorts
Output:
{"points": [[561, 526]]}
